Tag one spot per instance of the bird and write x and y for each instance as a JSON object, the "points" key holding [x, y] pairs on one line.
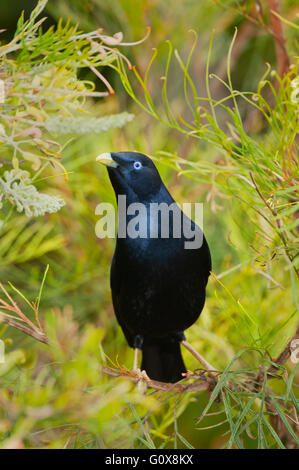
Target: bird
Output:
{"points": [[158, 285]]}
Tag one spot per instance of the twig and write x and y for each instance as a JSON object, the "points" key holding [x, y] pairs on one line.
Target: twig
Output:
{"points": [[38, 335], [204, 380], [279, 361], [284, 355], [267, 276], [282, 58], [259, 193], [178, 387], [277, 221], [31, 329], [7, 162], [198, 356], [99, 75]]}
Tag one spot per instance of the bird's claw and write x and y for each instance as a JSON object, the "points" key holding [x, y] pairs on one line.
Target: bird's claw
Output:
{"points": [[141, 375], [189, 374], [142, 379]]}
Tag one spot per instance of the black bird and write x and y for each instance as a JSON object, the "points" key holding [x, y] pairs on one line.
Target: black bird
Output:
{"points": [[158, 285]]}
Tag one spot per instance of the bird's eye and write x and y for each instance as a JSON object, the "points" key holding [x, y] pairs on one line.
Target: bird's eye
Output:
{"points": [[137, 165]]}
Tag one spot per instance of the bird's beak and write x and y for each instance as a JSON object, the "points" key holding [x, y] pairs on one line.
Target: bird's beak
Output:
{"points": [[106, 159]]}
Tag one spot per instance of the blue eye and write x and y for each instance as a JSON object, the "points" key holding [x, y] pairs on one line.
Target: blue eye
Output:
{"points": [[137, 165]]}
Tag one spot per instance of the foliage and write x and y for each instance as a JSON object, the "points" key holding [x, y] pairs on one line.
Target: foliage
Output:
{"points": [[261, 172], [42, 96], [229, 141], [17, 189]]}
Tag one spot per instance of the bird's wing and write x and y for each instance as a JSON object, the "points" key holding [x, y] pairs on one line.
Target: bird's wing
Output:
{"points": [[206, 257], [116, 276], [116, 281]]}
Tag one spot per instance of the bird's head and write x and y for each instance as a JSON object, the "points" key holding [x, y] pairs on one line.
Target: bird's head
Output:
{"points": [[132, 174]]}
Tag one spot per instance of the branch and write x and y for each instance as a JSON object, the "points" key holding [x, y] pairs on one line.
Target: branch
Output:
{"points": [[19, 320], [205, 382], [204, 379], [38, 335], [279, 361], [284, 355]]}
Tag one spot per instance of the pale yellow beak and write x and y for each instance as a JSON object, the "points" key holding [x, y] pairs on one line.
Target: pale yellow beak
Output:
{"points": [[106, 159]]}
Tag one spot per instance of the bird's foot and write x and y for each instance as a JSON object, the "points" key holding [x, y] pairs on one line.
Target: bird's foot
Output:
{"points": [[188, 375], [141, 375], [142, 379]]}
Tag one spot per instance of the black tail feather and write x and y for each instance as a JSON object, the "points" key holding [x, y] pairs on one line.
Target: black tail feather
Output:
{"points": [[162, 360]]}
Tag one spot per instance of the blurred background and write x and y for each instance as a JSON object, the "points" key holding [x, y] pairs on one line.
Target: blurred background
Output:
{"points": [[56, 396]]}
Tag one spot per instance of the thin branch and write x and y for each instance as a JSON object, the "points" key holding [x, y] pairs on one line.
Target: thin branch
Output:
{"points": [[200, 358], [279, 361], [38, 335], [259, 193], [282, 57], [31, 329], [284, 355], [267, 276], [204, 384], [204, 380], [277, 221]]}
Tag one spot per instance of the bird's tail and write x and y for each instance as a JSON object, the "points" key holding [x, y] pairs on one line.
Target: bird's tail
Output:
{"points": [[162, 360]]}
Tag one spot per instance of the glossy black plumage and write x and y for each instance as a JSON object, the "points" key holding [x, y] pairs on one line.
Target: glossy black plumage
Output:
{"points": [[158, 286]]}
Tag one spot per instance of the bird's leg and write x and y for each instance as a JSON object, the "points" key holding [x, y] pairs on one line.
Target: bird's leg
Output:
{"points": [[136, 357], [141, 374], [206, 365]]}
